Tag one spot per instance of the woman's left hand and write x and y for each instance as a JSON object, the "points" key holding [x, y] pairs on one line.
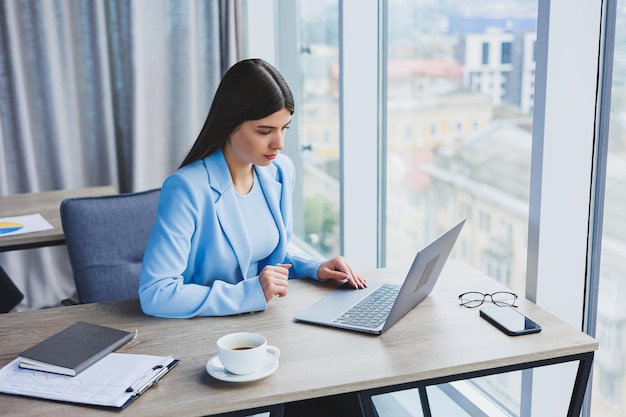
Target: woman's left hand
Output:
{"points": [[338, 269]]}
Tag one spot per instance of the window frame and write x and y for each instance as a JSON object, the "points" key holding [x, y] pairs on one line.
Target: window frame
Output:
{"points": [[557, 264]]}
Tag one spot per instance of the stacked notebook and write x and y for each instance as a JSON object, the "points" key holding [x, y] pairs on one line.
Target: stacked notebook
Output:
{"points": [[74, 349]]}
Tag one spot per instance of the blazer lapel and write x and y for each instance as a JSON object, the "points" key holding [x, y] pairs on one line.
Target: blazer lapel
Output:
{"points": [[227, 209]]}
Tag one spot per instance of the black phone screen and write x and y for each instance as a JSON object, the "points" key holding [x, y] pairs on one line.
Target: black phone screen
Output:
{"points": [[509, 320]]}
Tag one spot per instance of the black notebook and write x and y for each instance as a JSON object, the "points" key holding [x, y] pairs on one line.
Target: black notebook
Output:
{"points": [[74, 349]]}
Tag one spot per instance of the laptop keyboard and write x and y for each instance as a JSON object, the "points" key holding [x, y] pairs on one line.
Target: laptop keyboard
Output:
{"points": [[372, 310]]}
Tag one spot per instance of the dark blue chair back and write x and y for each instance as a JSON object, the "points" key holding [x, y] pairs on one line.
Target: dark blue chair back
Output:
{"points": [[106, 238]]}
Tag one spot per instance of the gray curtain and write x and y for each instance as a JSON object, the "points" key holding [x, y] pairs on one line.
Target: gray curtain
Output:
{"points": [[98, 92]]}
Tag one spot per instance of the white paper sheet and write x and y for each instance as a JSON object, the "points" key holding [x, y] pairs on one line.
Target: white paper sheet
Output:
{"points": [[18, 225]]}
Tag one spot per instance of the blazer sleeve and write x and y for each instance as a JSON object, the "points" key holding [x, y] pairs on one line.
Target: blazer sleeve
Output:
{"points": [[304, 265], [168, 285]]}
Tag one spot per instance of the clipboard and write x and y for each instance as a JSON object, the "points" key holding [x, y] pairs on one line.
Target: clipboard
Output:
{"points": [[151, 378], [106, 383]]}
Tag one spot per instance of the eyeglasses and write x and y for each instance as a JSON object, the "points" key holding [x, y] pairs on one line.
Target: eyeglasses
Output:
{"points": [[474, 299]]}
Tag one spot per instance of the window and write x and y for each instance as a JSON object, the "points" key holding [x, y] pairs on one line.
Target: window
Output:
{"points": [[485, 55], [520, 105], [452, 172], [506, 54]]}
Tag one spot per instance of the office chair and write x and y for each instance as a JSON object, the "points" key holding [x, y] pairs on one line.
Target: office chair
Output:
{"points": [[106, 238]]}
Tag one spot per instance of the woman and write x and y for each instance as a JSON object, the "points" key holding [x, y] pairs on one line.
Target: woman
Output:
{"points": [[219, 245]]}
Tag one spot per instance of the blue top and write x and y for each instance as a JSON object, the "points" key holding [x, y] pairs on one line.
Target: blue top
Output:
{"points": [[260, 225], [199, 250]]}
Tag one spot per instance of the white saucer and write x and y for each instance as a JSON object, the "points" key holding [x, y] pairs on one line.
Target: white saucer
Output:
{"points": [[215, 368]]}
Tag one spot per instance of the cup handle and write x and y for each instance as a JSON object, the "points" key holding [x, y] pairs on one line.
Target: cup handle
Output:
{"points": [[274, 351]]}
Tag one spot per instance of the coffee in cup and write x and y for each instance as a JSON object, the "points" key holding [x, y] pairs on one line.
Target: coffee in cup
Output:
{"points": [[243, 353]]}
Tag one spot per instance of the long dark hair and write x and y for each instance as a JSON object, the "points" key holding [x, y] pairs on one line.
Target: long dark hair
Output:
{"points": [[250, 90]]}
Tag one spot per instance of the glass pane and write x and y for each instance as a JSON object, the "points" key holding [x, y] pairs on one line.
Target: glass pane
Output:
{"points": [[459, 116], [318, 116], [609, 373]]}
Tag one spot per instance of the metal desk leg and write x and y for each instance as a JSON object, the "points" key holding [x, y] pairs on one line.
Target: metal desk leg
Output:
{"points": [[424, 401], [367, 405], [580, 385]]}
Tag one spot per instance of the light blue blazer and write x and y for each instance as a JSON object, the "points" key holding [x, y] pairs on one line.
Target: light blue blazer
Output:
{"points": [[198, 252]]}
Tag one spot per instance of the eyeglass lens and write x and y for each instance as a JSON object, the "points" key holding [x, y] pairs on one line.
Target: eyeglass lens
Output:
{"points": [[475, 299]]}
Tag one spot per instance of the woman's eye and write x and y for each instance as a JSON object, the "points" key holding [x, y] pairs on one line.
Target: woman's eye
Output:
{"points": [[265, 132]]}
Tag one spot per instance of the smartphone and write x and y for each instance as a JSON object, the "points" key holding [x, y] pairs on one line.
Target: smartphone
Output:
{"points": [[509, 320]]}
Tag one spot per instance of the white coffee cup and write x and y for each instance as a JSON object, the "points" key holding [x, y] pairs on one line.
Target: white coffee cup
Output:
{"points": [[243, 353]]}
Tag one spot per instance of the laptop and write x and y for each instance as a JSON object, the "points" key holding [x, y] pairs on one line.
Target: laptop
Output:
{"points": [[379, 306]]}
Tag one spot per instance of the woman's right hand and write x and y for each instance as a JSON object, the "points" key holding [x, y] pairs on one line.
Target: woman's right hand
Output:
{"points": [[274, 280]]}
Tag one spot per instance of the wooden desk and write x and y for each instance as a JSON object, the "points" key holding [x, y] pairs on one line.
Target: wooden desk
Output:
{"points": [[436, 342], [47, 204]]}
